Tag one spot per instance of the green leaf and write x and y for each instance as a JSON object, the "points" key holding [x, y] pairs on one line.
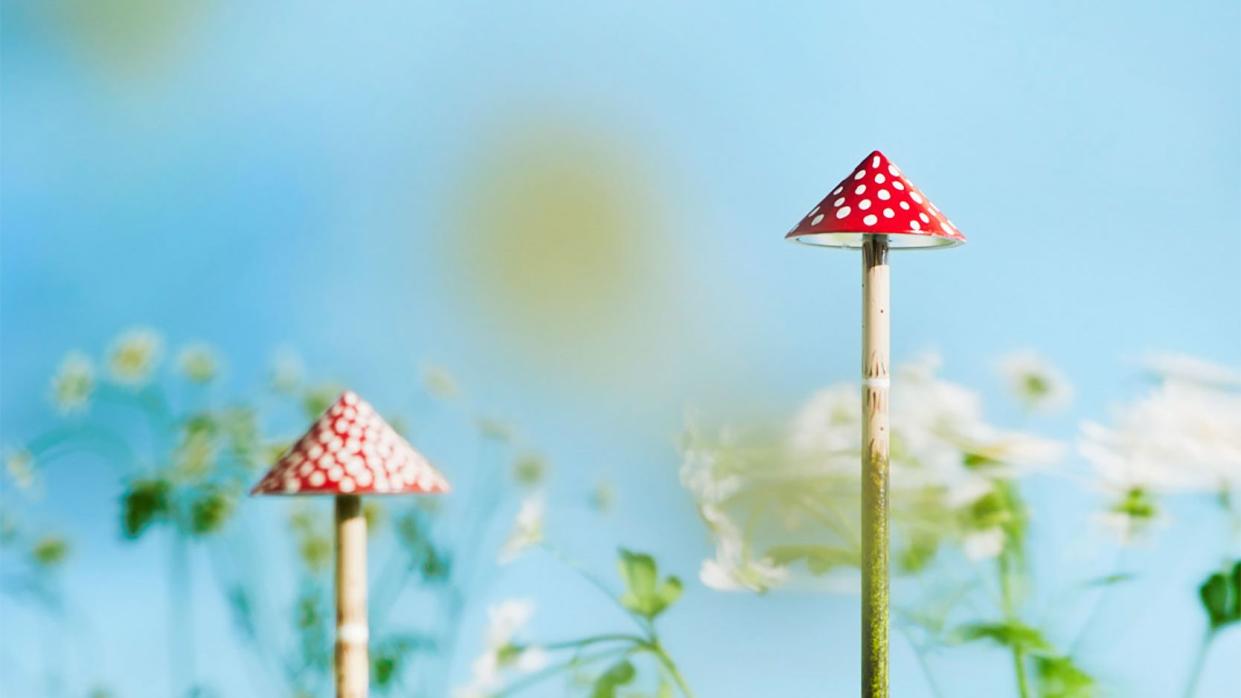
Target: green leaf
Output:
{"points": [[210, 510], [640, 575], [1059, 677], [144, 503], [1009, 634], [670, 591], [819, 559], [390, 657], [644, 593], [617, 675], [49, 551], [1221, 599]]}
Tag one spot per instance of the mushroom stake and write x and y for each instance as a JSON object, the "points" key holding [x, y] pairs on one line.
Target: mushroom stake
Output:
{"points": [[351, 451]]}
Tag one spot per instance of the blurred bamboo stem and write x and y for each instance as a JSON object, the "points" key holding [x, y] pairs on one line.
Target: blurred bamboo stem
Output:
{"points": [[876, 341], [352, 662]]}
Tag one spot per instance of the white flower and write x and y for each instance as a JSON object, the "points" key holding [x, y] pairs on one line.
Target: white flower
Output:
{"points": [[1182, 437], [1035, 382], [199, 363], [531, 659], [504, 621], [73, 383], [985, 544], [19, 464], [1127, 528], [527, 529], [733, 569], [134, 356], [1191, 369], [967, 491]]}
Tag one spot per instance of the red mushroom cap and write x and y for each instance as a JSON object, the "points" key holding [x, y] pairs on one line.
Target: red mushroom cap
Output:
{"points": [[351, 450], [876, 199]]}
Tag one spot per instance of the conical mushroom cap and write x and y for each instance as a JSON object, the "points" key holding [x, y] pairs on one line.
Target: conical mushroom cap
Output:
{"points": [[876, 199], [350, 449]]}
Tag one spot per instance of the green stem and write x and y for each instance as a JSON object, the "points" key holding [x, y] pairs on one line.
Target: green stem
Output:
{"points": [[1009, 606], [1200, 660], [671, 668], [1019, 666], [544, 674], [594, 640]]}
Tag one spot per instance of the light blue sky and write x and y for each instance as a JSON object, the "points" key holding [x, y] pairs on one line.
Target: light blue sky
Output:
{"points": [[277, 177]]}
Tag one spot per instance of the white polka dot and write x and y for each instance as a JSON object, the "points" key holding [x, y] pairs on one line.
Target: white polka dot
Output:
{"points": [[880, 179], [924, 217], [861, 189], [816, 210], [898, 185], [838, 202], [874, 162], [316, 478], [870, 220], [292, 485], [884, 195], [346, 485], [905, 205], [364, 478], [335, 472], [914, 195], [915, 225], [350, 398], [864, 204], [817, 219], [859, 174], [844, 211], [888, 213], [894, 170], [838, 190]]}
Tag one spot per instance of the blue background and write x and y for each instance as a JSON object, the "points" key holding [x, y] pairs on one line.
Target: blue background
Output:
{"points": [[258, 175]]}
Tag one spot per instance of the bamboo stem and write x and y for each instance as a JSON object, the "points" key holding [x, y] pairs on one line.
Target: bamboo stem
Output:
{"points": [[352, 662], [876, 340]]}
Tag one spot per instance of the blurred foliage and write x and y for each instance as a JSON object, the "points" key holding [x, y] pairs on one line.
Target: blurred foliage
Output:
{"points": [[600, 665], [185, 461]]}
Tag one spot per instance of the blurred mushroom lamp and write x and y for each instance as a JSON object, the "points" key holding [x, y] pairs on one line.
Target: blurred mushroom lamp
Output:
{"points": [[876, 209], [351, 451]]}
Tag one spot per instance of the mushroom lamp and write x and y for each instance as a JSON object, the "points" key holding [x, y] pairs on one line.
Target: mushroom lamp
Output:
{"points": [[348, 452], [877, 209]]}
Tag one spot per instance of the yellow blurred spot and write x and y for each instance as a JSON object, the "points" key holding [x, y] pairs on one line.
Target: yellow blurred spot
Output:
{"points": [[557, 246]]}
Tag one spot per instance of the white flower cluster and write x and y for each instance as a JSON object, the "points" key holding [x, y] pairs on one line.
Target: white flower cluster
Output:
{"points": [[501, 653], [749, 487], [1184, 436]]}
